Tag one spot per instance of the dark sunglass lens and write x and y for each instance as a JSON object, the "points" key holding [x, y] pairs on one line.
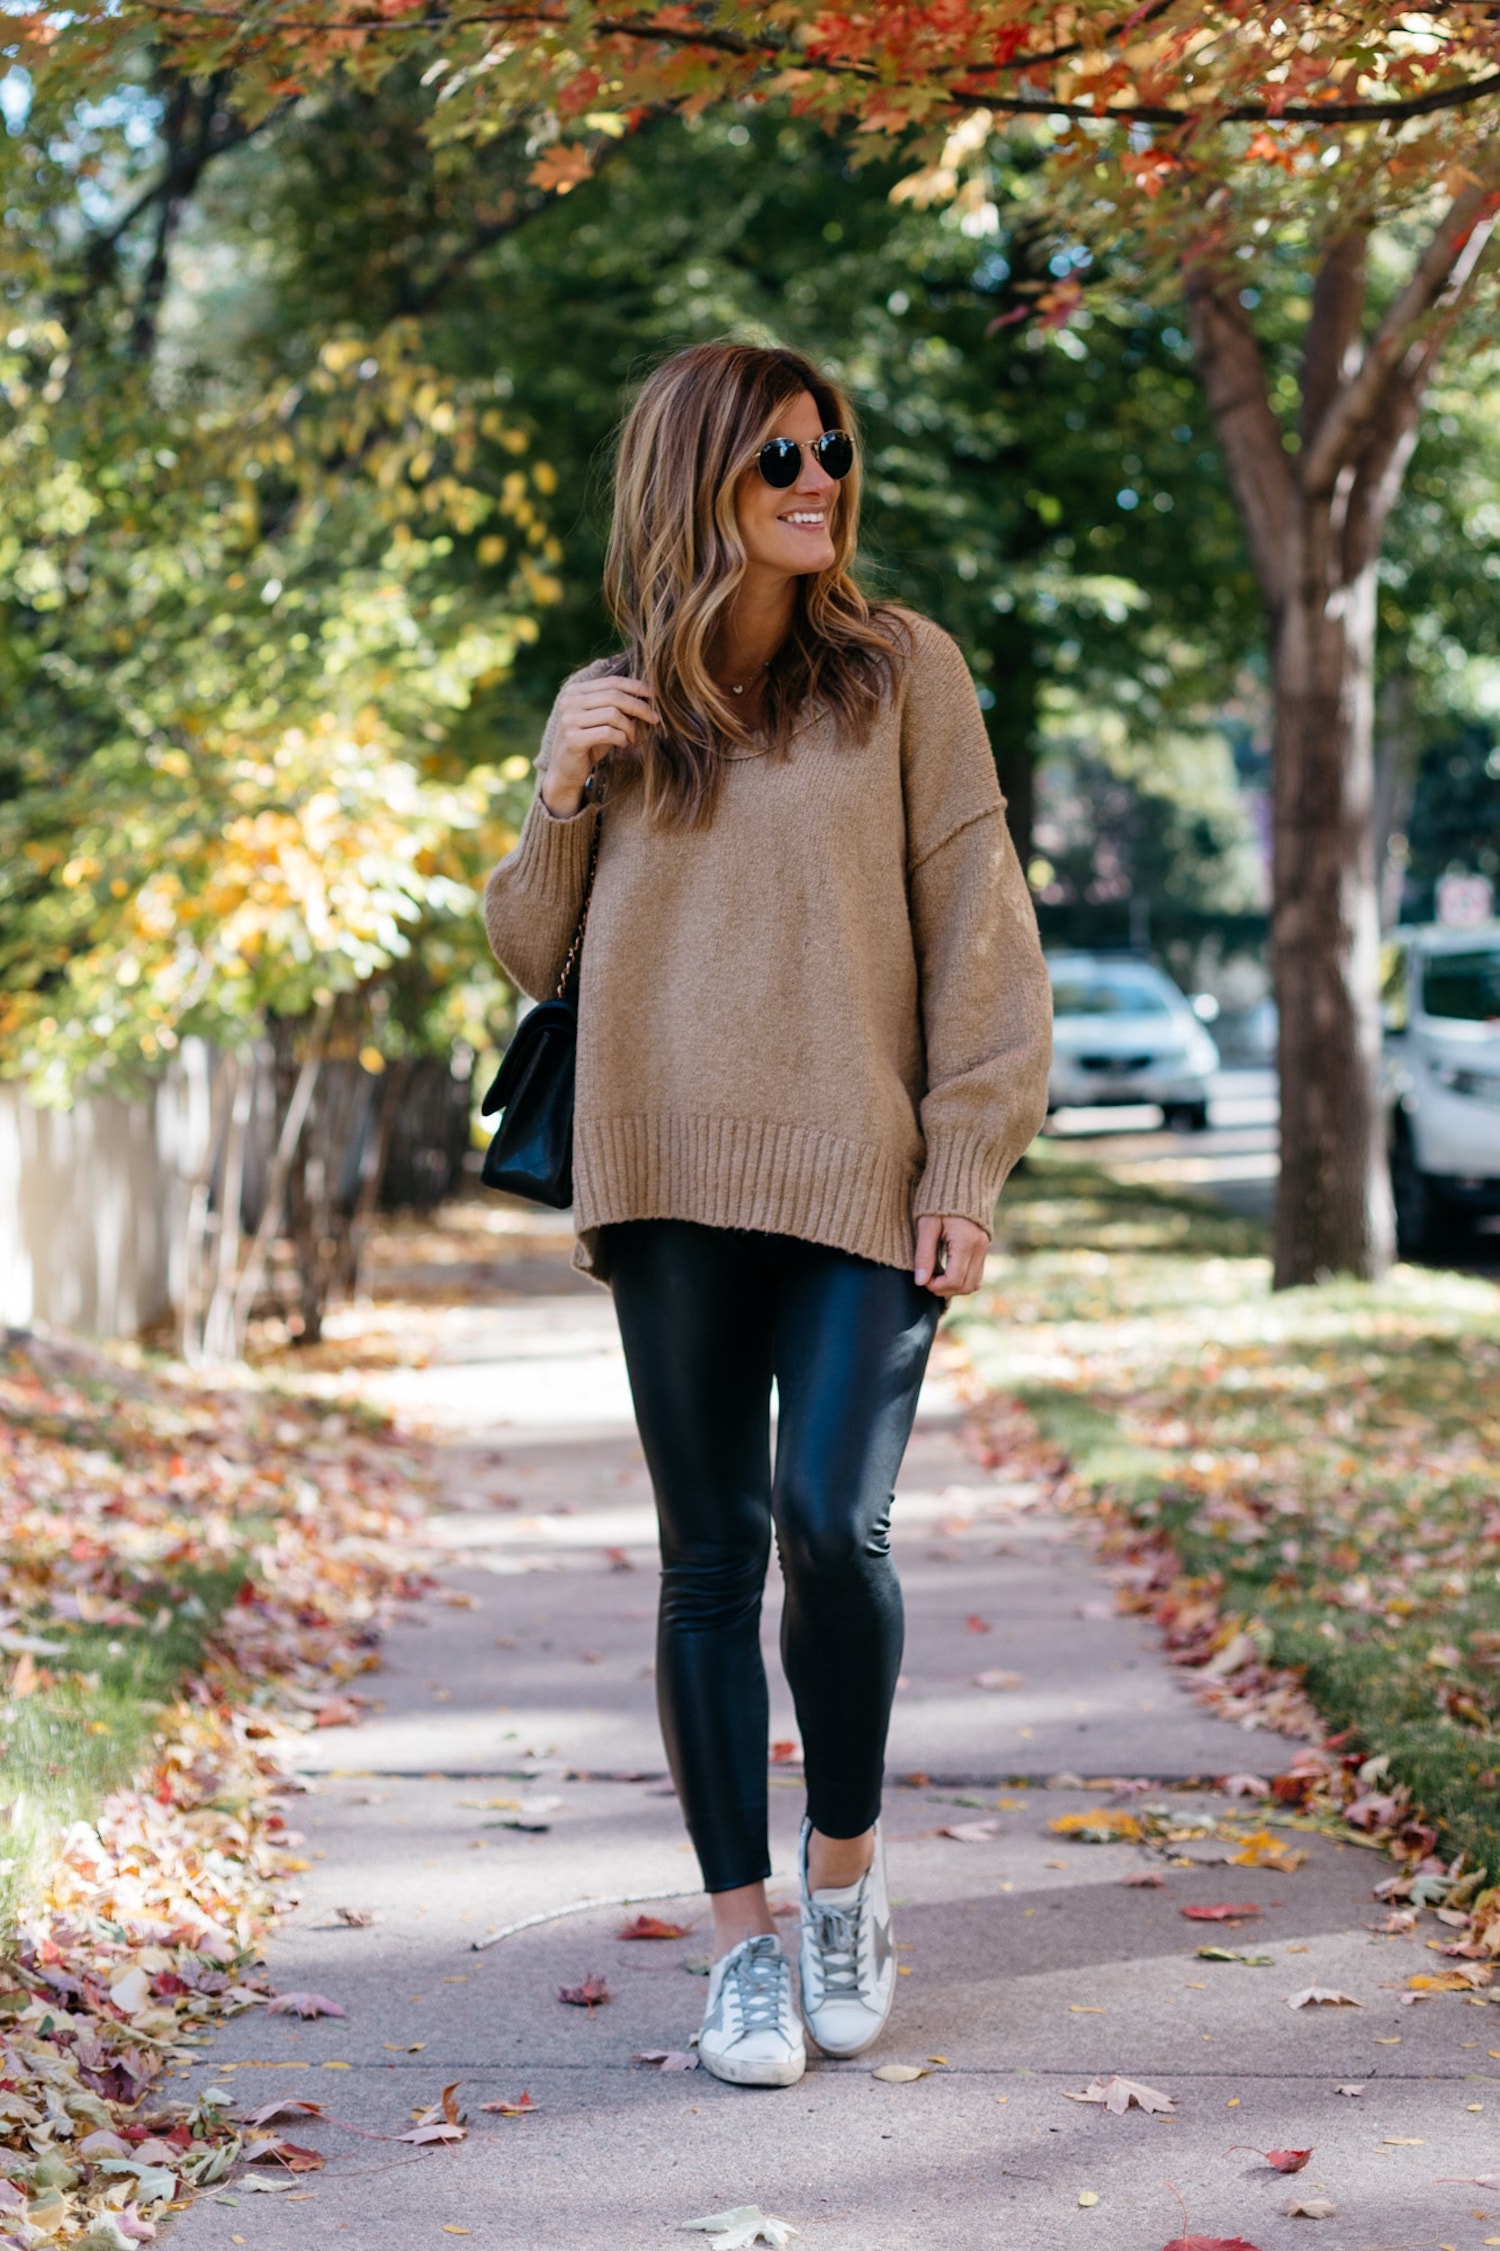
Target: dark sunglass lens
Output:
{"points": [[780, 460], [835, 453]]}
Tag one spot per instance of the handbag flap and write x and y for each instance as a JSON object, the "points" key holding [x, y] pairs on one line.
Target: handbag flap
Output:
{"points": [[531, 1034]]}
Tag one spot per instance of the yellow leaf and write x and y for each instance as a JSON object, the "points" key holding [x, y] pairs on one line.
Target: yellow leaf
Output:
{"points": [[899, 2074], [1099, 1825], [1087, 2196]]}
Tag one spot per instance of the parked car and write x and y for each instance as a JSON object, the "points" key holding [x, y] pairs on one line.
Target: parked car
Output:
{"points": [[1441, 993], [1123, 1033]]}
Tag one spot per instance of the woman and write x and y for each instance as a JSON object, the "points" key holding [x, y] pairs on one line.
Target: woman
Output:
{"points": [[814, 1032]]}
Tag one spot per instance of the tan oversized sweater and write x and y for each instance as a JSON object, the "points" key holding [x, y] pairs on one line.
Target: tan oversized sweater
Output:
{"points": [[822, 1015]]}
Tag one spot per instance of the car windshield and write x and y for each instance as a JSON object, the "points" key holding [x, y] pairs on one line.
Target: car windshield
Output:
{"points": [[1086, 993], [1463, 985]]}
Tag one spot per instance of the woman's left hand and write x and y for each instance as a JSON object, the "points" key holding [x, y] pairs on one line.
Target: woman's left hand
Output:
{"points": [[961, 1246]]}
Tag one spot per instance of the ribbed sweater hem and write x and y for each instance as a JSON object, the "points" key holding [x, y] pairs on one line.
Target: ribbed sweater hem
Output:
{"points": [[771, 1178]]}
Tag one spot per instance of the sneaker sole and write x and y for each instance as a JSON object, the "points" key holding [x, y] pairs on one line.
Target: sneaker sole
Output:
{"points": [[755, 2074], [859, 2047]]}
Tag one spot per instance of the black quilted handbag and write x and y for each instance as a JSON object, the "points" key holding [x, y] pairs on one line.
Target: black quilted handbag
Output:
{"points": [[531, 1154]]}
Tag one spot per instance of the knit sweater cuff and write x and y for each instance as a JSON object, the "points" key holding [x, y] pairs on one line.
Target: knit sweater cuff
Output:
{"points": [[961, 1180], [551, 854]]}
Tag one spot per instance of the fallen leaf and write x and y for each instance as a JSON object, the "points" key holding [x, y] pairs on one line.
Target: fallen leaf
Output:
{"points": [[1117, 2095], [593, 1991], [669, 2059], [355, 1918], [1145, 1879], [1234, 1954], [1088, 2197], [975, 1625], [1283, 2160], [1354, 2090], [274, 2151], [898, 2074], [1209, 2243], [1263, 1850], [651, 1926], [739, 2229], [1311, 2208], [438, 2131], [517, 2109], [971, 1832], [1403, 2141], [1322, 1997], [781, 1753], [303, 2005], [998, 1680], [284, 2106], [131, 1991], [1230, 1912], [1245, 1786], [1100, 1825]]}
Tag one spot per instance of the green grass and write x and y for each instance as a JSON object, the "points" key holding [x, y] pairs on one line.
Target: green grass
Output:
{"points": [[1320, 1459]]}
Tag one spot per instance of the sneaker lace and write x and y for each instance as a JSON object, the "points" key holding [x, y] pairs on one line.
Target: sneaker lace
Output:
{"points": [[758, 1975], [836, 1937]]}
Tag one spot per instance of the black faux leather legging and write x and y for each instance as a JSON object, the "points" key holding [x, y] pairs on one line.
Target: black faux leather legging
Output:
{"points": [[708, 1317]]}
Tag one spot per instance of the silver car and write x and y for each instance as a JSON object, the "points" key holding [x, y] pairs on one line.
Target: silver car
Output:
{"points": [[1123, 1033]]}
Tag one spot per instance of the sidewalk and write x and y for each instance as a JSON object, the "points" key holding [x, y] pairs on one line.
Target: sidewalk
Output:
{"points": [[522, 1692]]}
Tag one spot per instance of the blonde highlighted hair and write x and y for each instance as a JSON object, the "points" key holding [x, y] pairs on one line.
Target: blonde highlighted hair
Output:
{"points": [[676, 558]]}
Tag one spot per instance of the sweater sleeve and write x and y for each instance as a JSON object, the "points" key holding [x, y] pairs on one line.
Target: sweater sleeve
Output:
{"points": [[986, 999], [532, 898]]}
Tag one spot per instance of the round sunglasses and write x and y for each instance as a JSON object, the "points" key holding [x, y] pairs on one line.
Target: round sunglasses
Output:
{"points": [[780, 459]]}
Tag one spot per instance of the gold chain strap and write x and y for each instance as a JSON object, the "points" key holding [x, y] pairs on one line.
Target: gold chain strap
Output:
{"points": [[583, 914]]}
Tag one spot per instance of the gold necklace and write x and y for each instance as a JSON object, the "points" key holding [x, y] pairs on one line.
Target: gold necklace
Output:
{"points": [[738, 687]]}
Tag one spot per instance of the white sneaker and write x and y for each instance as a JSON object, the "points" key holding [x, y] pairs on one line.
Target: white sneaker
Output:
{"points": [[750, 2031], [847, 1960]]}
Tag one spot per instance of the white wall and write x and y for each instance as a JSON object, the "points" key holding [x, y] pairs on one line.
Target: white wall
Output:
{"points": [[92, 1202]]}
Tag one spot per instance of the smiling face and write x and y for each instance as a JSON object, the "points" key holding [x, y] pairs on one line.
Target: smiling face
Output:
{"points": [[787, 533]]}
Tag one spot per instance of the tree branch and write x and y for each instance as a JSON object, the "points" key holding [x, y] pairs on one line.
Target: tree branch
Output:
{"points": [[175, 182], [1333, 330], [1392, 432], [1445, 266], [1234, 382], [958, 96]]}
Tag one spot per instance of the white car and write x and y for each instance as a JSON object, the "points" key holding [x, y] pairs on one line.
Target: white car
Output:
{"points": [[1442, 1056], [1123, 1033]]}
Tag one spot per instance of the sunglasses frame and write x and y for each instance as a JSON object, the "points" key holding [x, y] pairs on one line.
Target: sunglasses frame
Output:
{"points": [[775, 448]]}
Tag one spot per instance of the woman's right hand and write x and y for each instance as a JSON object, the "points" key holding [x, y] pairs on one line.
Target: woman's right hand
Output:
{"points": [[593, 717]]}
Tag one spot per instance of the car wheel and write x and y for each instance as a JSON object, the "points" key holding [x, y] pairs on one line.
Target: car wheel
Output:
{"points": [[1427, 1225], [1187, 1117]]}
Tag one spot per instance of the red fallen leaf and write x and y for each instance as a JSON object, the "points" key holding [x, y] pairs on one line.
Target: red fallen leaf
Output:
{"points": [[1209, 2243], [284, 2106], [652, 1926], [516, 2109], [1283, 2160], [338, 1713], [274, 2151], [303, 2005], [1229, 1912], [781, 1752], [592, 1990], [977, 1625]]}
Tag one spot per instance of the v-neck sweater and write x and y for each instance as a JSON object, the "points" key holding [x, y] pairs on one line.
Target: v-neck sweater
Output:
{"points": [[823, 1013]]}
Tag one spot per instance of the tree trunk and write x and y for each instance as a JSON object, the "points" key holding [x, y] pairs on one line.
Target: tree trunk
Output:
{"points": [[1314, 508], [1333, 1207]]}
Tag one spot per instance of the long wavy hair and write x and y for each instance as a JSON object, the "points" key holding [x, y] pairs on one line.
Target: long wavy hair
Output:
{"points": [[676, 558]]}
